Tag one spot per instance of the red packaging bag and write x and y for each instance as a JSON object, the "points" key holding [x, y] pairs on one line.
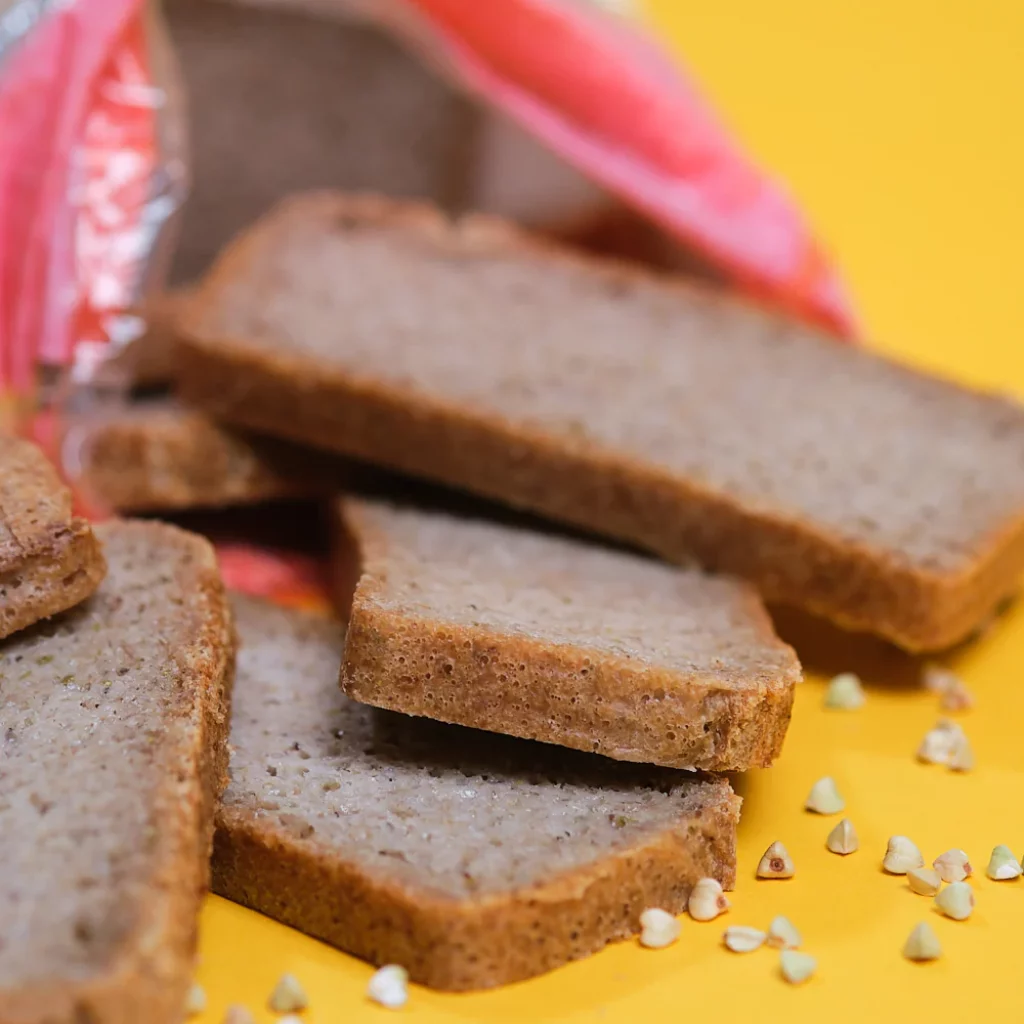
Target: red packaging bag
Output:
{"points": [[88, 183], [85, 188], [610, 102]]}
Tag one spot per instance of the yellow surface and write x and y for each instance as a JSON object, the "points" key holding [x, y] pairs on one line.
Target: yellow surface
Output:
{"points": [[898, 125]]}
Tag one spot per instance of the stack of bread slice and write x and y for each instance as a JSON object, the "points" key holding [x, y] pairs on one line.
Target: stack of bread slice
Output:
{"points": [[599, 395], [468, 858], [755, 457], [511, 739]]}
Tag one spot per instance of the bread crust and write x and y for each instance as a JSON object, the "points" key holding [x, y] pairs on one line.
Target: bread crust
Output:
{"points": [[148, 978], [461, 945], [567, 694], [791, 560], [50, 560]]}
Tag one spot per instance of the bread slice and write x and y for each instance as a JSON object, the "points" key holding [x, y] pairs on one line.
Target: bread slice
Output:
{"points": [[49, 559], [113, 745], [156, 453], [657, 413], [554, 639], [469, 859], [302, 99], [306, 95]]}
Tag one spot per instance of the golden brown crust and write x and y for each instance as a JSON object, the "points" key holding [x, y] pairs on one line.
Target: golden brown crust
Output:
{"points": [[790, 561], [49, 559], [471, 944], [150, 977], [727, 730], [65, 571], [526, 685]]}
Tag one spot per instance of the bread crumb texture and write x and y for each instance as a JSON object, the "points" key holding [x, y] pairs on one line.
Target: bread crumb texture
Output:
{"points": [[664, 415], [552, 638], [112, 748]]}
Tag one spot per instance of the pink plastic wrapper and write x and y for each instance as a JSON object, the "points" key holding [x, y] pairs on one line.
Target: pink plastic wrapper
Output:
{"points": [[609, 101], [85, 188], [89, 182]]}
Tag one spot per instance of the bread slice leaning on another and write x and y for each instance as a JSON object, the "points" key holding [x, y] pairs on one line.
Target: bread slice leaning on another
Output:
{"points": [[469, 859], [49, 558], [113, 751], [661, 414], [156, 454], [556, 639]]}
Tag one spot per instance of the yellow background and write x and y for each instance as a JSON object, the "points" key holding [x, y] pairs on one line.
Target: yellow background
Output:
{"points": [[898, 125]]}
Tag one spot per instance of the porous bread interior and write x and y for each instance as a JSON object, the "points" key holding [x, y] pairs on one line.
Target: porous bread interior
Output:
{"points": [[34, 504], [765, 412], [569, 593], [557, 639], [93, 717]]}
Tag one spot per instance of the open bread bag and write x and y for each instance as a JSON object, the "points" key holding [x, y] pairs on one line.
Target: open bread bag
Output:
{"points": [[139, 138]]}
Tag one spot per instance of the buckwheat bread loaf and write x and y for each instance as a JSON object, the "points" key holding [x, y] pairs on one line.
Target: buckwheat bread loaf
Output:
{"points": [[555, 639], [658, 413], [113, 749], [472, 860], [302, 99], [49, 559], [154, 454]]}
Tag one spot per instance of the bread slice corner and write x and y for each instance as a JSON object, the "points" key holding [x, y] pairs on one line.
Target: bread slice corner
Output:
{"points": [[50, 559], [661, 414]]}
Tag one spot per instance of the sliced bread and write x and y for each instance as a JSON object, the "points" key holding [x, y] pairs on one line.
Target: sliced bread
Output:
{"points": [[49, 559], [154, 454], [555, 639], [113, 749], [302, 98], [667, 416], [471, 860]]}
